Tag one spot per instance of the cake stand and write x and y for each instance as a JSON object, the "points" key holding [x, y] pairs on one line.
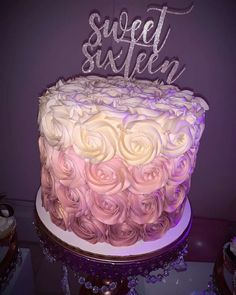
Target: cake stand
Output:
{"points": [[105, 269]]}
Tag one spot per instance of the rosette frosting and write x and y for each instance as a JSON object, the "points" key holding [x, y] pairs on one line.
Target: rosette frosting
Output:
{"points": [[117, 156], [135, 120]]}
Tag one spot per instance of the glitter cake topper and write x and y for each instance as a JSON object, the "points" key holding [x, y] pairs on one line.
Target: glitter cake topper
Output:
{"points": [[123, 32]]}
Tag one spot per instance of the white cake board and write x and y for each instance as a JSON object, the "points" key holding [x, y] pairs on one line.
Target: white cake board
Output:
{"points": [[138, 248]]}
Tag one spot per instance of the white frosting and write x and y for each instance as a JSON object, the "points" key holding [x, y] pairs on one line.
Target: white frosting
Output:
{"points": [[107, 117]]}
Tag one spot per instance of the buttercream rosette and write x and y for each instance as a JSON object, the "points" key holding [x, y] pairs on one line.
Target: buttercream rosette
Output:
{"points": [[90, 229], [108, 209], [123, 234], [109, 177], [155, 230]]}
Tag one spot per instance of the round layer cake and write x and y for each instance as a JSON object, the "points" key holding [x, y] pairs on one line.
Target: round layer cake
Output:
{"points": [[117, 156], [8, 244]]}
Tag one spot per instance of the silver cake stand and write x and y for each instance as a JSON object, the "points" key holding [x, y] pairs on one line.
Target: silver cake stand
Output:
{"points": [[107, 274]]}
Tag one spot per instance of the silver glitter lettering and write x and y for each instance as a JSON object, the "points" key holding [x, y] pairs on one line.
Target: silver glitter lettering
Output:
{"points": [[138, 35]]}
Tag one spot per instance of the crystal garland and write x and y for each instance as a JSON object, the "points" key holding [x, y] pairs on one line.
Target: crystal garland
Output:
{"points": [[64, 282], [179, 265]]}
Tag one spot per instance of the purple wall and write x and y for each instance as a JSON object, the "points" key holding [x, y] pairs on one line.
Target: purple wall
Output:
{"points": [[41, 41]]}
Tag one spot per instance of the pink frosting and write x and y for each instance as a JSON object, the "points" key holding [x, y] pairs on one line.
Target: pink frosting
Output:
{"points": [[176, 215], [146, 208], [111, 201], [150, 177], [109, 209], [59, 216], [47, 185], [175, 195], [109, 177], [89, 229], [181, 169], [123, 234], [153, 231], [68, 167], [73, 200]]}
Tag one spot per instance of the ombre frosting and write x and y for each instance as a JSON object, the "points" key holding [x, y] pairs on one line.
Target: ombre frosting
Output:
{"points": [[117, 156]]}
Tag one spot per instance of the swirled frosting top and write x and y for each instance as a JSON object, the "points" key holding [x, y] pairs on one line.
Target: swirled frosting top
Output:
{"points": [[107, 117]]}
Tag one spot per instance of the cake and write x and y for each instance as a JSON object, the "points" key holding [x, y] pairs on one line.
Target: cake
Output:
{"points": [[6, 226], [8, 244], [117, 156], [7, 221], [229, 255], [225, 269]]}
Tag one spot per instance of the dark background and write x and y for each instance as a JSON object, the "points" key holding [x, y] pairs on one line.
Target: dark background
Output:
{"points": [[42, 40]]}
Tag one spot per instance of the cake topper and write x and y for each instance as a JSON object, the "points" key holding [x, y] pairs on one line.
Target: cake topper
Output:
{"points": [[138, 35]]}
